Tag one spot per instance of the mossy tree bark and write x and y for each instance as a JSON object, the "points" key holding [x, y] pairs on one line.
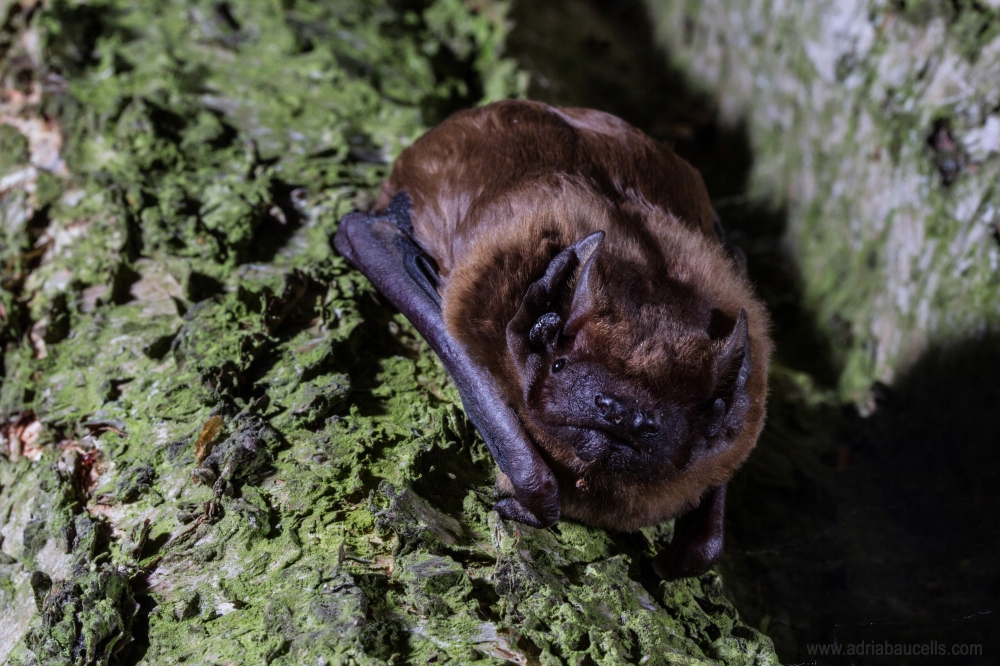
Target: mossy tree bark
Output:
{"points": [[875, 126], [218, 445]]}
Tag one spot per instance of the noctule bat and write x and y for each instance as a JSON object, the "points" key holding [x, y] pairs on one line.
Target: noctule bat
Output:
{"points": [[571, 274]]}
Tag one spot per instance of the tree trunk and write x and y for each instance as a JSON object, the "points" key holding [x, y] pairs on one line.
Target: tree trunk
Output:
{"points": [[219, 445], [875, 126]]}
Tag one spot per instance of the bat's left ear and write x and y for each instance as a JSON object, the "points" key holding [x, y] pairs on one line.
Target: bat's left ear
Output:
{"points": [[731, 370]]}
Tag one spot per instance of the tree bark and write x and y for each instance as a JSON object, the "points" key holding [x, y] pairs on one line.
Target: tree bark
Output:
{"points": [[875, 129], [218, 444]]}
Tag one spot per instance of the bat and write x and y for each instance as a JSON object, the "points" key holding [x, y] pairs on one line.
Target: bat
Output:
{"points": [[574, 280]]}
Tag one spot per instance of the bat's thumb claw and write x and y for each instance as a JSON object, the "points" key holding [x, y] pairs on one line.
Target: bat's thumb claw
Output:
{"points": [[511, 509]]}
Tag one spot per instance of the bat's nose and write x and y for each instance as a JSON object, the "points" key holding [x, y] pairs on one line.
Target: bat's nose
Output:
{"points": [[632, 421], [642, 424], [607, 406]]}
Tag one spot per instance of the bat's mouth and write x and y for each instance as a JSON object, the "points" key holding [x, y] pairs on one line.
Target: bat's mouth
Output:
{"points": [[594, 443], [619, 442]]}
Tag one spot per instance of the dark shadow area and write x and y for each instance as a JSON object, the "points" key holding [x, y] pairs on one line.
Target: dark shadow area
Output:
{"points": [[276, 225], [135, 652], [447, 472], [886, 529], [602, 55], [879, 530]]}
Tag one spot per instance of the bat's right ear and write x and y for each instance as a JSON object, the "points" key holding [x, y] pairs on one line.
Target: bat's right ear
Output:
{"points": [[536, 324], [585, 294], [534, 320]]}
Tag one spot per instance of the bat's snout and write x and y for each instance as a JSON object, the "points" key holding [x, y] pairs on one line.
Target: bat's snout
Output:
{"points": [[634, 422]]}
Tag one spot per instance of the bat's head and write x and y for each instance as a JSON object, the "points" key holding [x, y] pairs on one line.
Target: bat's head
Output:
{"points": [[637, 374]]}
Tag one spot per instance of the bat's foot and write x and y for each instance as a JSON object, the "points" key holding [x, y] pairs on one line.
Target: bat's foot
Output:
{"points": [[511, 509], [698, 538], [739, 258], [687, 560], [735, 253]]}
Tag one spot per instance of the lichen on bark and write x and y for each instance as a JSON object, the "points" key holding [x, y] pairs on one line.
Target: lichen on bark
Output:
{"points": [[218, 444], [876, 126]]}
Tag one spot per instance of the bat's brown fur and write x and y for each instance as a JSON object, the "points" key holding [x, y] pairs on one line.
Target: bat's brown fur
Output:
{"points": [[499, 190]]}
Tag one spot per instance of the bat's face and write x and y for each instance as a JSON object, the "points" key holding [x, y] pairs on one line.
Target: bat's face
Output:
{"points": [[639, 396], [609, 421]]}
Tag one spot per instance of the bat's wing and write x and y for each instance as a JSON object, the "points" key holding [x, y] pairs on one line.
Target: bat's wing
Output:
{"points": [[698, 536], [383, 249]]}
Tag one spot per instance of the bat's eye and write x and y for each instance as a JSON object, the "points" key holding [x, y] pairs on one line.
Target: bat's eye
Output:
{"points": [[559, 365]]}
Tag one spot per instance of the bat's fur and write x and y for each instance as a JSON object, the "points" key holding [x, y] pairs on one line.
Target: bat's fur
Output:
{"points": [[500, 190]]}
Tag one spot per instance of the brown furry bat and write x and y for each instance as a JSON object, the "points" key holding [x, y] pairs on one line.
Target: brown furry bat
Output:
{"points": [[571, 275]]}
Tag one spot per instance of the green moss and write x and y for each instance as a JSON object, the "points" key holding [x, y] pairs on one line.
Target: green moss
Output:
{"points": [[84, 621], [13, 149]]}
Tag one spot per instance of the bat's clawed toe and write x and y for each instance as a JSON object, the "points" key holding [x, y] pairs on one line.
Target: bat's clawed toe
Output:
{"points": [[511, 509]]}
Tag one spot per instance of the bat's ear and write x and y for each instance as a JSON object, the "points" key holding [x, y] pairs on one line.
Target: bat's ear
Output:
{"points": [[536, 325], [731, 369], [585, 294]]}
